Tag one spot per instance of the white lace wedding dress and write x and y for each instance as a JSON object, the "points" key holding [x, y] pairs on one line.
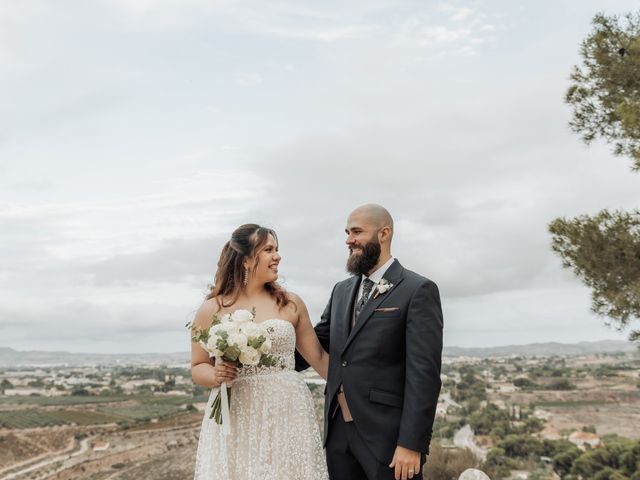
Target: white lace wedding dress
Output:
{"points": [[274, 433]]}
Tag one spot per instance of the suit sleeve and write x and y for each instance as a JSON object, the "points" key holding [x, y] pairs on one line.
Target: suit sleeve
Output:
{"points": [[423, 363], [323, 330]]}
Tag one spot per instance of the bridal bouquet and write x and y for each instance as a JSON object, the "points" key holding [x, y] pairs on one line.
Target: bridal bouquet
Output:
{"points": [[236, 339]]}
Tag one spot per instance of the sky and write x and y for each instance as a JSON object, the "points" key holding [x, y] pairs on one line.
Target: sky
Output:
{"points": [[135, 135]]}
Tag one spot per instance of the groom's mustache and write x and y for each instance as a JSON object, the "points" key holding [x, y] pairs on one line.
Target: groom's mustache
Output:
{"points": [[357, 246]]}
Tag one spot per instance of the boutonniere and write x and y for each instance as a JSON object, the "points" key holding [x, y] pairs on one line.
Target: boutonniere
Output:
{"points": [[383, 287]]}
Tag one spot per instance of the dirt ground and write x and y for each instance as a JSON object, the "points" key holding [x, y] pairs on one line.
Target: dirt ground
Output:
{"points": [[613, 418], [612, 407], [162, 450]]}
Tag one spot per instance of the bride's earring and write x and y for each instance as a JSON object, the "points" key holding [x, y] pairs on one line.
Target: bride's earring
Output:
{"points": [[245, 277]]}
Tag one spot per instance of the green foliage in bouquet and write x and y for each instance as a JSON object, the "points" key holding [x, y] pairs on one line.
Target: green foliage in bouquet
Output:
{"points": [[245, 339]]}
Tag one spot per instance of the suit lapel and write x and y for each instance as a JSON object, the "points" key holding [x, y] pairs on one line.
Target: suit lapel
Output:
{"points": [[394, 276]]}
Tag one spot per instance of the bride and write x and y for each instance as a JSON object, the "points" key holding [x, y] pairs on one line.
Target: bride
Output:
{"points": [[274, 433]]}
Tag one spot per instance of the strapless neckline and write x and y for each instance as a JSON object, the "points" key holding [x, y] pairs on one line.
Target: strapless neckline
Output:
{"points": [[275, 320]]}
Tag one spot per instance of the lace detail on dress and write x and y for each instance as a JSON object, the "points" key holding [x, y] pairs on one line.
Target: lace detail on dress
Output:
{"points": [[274, 433]]}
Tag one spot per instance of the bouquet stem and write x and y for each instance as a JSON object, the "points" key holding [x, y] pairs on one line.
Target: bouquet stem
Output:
{"points": [[216, 406]]}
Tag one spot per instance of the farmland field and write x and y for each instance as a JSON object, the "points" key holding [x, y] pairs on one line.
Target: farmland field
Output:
{"points": [[41, 418]]}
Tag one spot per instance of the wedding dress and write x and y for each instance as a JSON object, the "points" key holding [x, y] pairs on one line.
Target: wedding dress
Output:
{"points": [[274, 432]]}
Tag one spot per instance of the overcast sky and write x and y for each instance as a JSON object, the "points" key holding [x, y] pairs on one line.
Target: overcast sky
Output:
{"points": [[135, 135]]}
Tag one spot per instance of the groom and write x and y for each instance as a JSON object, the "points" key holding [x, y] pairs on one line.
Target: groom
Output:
{"points": [[383, 330]]}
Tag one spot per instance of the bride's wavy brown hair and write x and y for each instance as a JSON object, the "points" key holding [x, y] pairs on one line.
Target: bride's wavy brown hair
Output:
{"points": [[247, 241]]}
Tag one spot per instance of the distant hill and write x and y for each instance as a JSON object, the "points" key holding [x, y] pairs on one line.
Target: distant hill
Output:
{"points": [[544, 349], [13, 358]]}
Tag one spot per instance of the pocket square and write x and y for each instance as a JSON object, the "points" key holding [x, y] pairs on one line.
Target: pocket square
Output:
{"points": [[387, 309]]}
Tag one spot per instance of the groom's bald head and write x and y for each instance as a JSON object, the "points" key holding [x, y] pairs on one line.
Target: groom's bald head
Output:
{"points": [[375, 215]]}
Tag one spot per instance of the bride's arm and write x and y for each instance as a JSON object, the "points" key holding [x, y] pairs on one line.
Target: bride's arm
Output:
{"points": [[307, 342], [202, 372]]}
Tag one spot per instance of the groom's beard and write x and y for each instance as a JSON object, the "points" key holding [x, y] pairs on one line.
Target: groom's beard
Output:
{"points": [[368, 258]]}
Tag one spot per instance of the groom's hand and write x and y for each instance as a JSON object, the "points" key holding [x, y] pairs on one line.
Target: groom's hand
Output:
{"points": [[406, 463]]}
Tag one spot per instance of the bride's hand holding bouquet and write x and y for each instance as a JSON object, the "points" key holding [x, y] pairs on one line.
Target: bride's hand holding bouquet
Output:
{"points": [[235, 340]]}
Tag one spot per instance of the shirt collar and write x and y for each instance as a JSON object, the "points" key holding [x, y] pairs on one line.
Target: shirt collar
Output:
{"points": [[376, 276]]}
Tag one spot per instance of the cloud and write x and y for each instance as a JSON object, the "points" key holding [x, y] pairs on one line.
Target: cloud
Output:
{"points": [[138, 134], [250, 79], [447, 29], [329, 22], [461, 14], [83, 326], [188, 205], [175, 261], [471, 207], [525, 316], [118, 255]]}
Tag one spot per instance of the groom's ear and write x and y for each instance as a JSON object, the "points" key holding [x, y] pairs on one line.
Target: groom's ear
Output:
{"points": [[384, 234]]}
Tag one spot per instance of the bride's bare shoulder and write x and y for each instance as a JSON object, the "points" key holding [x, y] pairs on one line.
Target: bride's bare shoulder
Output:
{"points": [[204, 315], [296, 304]]}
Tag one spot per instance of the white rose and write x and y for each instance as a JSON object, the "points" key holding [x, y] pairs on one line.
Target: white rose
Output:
{"points": [[226, 318], [214, 332], [266, 346], [249, 356], [242, 316], [231, 328], [251, 329], [238, 339]]}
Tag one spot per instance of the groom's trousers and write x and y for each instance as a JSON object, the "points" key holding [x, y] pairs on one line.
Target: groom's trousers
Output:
{"points": [[349, 457]]}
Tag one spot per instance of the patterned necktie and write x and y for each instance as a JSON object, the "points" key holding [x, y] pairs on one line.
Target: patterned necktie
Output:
{"points": [[367, 285]]}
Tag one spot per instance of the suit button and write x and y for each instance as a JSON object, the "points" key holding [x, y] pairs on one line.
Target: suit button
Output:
{"points": [[344, 363]]}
